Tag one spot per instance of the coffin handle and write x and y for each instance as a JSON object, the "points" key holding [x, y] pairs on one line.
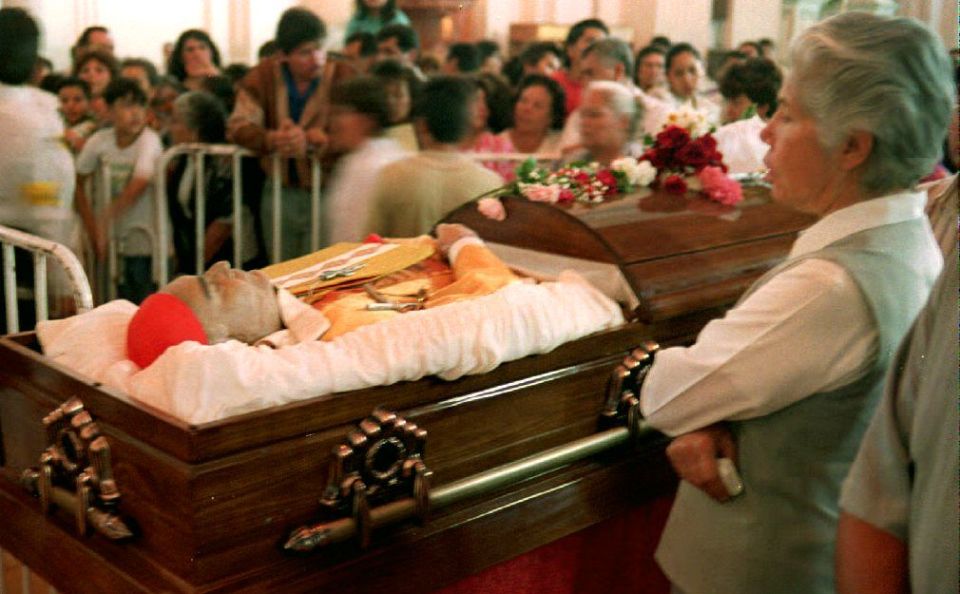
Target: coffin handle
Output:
{"points": [[423, 498]]}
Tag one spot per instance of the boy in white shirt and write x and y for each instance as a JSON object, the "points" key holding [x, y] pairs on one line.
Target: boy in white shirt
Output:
{"points": [[131, 150]]}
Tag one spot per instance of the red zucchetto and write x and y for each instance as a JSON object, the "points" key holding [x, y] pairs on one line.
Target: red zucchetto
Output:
{"points": [[161, 322]]}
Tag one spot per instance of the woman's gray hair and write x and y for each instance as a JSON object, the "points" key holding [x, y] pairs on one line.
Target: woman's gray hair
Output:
{"points": [[203, 112], [887, 76], [618, 98]]}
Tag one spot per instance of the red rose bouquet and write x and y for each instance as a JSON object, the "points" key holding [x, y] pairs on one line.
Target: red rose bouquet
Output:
{"points": [[686, 157]]}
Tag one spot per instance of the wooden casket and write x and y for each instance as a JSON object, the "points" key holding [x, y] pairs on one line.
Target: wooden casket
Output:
{"points": [[212, 506]]}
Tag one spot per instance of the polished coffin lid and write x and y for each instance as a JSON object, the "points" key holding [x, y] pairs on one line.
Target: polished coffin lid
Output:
{"points": [[679, 254], [214, 502]]}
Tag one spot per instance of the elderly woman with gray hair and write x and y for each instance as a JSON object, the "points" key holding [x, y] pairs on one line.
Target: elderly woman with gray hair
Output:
{"points": [[784, 385], [608, 121], [200, 117]]}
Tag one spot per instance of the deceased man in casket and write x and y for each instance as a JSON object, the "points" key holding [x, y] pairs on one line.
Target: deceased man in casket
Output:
{"points": [[348, 317]]}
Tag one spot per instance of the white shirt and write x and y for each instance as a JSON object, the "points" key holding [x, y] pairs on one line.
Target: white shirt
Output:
{"points": [[352, 186], [36, 168], [136, 228], [740, 143], [807, 330]]}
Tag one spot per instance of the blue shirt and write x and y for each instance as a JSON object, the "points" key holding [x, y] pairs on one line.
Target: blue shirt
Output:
{"points": [[297, 101]]}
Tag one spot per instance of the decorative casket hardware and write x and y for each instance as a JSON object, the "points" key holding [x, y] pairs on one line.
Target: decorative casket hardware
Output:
{"points": [[75, 473], [385, 451]]}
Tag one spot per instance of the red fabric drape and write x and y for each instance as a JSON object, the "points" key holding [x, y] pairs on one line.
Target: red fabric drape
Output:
{"points": [[613, 556]]}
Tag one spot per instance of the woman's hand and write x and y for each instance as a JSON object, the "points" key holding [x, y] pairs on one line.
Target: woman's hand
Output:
{"points": [[694, 457]]}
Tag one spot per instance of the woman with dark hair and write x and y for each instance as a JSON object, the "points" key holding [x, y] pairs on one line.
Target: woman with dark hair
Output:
{"points": [[98, 68], [199, 116], [537, 116], [373, 15], [684, 69], [194, 58], [490, 114]]}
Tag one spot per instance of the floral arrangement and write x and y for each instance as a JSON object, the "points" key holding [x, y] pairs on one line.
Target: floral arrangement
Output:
{"points": [[578, 182], [682, 157], [581, 182], [685, 155]]}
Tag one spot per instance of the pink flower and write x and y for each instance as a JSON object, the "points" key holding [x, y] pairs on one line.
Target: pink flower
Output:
{"points": [[492, 208], [718, 187], [540, 193], [674, 184]]}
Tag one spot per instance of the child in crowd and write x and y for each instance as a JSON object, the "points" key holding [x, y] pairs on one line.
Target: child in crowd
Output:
{"points": [[131, 151], [74, 95]]}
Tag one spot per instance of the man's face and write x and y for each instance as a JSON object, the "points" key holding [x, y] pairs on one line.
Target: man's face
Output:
{"points": [[593, 67], [100, 40], [590, 35], [128, 116], [230, 303], [305, 61], [389, 49]]}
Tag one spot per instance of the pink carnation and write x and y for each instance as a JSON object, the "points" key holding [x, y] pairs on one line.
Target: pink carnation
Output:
{"points": [[540, 193], [718, 187], [492, 208]]}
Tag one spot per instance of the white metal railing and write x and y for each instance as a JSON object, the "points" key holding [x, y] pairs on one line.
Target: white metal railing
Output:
{"points": [[42, 250], [159, 234], [197, 152]]}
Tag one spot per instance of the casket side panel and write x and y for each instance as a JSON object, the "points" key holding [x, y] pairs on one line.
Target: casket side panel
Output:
{"points": [[252, 430], [470, 537], [667, 288], [641, 236], [246, 501]]}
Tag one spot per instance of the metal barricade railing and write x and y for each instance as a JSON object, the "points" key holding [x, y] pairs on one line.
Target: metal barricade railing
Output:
{"points": [[197, 152], [159, 234], [42, 250], [103, 196]]}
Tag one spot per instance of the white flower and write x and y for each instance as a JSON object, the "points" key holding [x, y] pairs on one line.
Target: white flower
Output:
{"points": [[639, 174], [694, 121]]}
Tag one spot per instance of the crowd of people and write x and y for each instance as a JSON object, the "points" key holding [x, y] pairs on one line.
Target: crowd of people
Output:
{"points": [[361, 108], [847, 135]]}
